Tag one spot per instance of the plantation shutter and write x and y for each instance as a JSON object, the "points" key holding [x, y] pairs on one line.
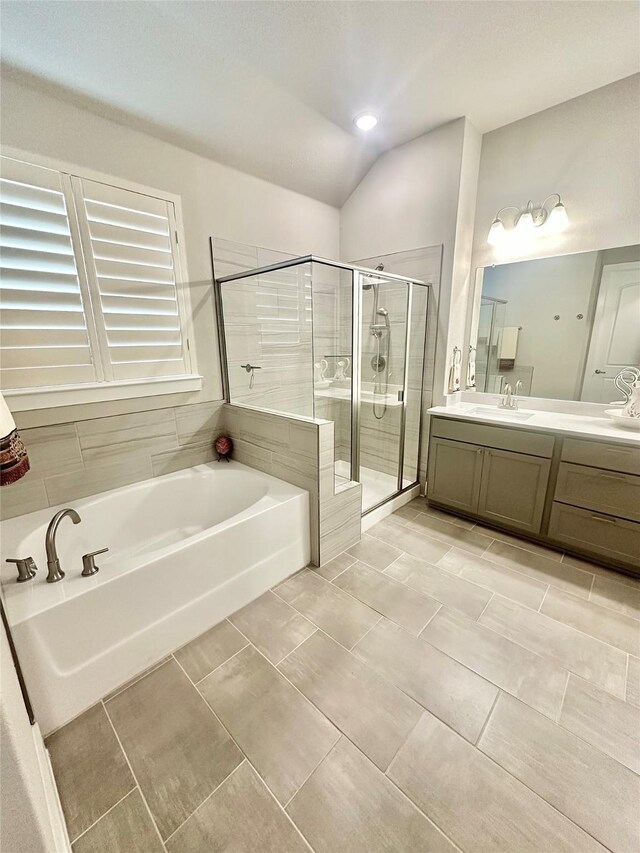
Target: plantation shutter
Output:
{"points": [[129, 241], [45, 327]]}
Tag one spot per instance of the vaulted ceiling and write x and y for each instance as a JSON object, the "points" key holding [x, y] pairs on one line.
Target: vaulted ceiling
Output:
{"points": [[271, 88]]}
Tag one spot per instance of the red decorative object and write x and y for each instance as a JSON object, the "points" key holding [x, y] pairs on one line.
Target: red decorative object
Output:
{"points": [[223, 447]]}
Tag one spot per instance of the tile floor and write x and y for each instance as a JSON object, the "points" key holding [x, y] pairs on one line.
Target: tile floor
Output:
{"points": [[438, 687]]}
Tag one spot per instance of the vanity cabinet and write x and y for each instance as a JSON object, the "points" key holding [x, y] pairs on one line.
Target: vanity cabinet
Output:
{"points": [[504, 486], [577, 494]]}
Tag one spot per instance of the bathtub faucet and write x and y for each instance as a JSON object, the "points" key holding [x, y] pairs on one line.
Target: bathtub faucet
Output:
{"points": [[53, 563]]}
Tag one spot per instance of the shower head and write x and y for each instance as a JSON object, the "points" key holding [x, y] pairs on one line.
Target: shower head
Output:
{"points": [[382, 312]]}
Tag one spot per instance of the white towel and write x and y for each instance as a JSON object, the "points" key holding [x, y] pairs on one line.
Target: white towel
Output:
{"points": [[471, 368], [454, 373]]}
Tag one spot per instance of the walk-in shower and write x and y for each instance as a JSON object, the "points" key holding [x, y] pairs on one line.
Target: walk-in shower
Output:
{"points": [[324, 339]]}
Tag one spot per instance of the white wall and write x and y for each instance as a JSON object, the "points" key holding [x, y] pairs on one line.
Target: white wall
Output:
{"points": [[25, 826], [422, 194], [585, 149], [216, 200], [537, 291]]}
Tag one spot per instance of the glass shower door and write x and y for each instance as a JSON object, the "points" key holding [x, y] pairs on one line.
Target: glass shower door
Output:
{"points": [[383, 347]]}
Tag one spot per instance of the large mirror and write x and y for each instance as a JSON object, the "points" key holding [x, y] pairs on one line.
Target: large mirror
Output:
{"points": [[563, 326]]}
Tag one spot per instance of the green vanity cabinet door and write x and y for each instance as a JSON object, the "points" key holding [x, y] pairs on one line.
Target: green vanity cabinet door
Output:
{"points": [[453, 479], [513, 489]]}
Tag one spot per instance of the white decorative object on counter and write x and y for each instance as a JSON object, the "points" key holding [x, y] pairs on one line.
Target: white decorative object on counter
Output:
{"points": [[625, 421]]}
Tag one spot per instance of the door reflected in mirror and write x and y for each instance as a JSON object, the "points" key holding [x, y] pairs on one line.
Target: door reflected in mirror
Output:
{"points": [[564, 326]]}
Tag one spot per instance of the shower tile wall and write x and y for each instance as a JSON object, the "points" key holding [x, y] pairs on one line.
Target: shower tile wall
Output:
{"points": [[423, 264], [77, 459], [268, 323]]}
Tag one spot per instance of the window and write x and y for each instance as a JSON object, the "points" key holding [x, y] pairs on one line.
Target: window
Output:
{"points": [[90, 287]]}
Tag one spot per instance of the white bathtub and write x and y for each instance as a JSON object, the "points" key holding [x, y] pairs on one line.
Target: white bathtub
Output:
{"points": [[185, 551]]}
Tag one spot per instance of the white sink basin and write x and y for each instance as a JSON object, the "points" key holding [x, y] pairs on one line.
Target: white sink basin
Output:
{"points": [[501, 414]]}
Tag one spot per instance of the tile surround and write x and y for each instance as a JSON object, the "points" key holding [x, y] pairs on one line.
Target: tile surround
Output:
{"points": [[82, 458]]}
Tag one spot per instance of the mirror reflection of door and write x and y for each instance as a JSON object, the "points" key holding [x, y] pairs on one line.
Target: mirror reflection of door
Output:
{"points": [[615, 338]]}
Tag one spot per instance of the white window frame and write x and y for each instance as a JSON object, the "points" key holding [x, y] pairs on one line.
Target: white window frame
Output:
{"points": [[44, 397]]}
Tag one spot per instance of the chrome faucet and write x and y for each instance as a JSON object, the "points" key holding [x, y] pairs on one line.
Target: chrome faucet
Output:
{"points": [[509, 401], [53, 563]]}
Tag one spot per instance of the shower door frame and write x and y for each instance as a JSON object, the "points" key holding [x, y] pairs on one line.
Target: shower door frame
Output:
{"points": [[358, 272]]}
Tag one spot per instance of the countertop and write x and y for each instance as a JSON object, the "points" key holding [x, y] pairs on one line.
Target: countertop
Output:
{"points": [[577, 426]]}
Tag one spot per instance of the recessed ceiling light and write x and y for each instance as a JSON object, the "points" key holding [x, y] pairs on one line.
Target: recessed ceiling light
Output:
{"points": [[366, 121]]}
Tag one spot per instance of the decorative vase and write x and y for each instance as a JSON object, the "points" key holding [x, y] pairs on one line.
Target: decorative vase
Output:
{"points": [[223, 446], [632, 409]]}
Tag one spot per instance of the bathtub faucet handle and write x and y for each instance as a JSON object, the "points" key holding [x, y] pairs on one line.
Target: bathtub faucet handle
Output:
{"points": [[26, 568], [89, 564]]}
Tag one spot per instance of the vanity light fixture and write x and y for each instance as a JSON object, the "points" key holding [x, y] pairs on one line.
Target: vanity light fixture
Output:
{"points": [[525, 221], [365, 121]]}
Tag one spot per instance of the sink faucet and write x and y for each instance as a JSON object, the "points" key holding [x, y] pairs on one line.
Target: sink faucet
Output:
{"points": [[508, 401], [53, 563]]}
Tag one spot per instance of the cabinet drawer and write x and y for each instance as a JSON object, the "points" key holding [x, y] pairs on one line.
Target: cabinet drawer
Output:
{"points": [[518, 440], [610, 492], [615, 457], [613, 538]]}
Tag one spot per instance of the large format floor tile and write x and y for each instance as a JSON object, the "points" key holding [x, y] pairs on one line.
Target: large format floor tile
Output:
{"points": [[633, 681], [283, 735], [449, 690], [202, 655], [273, 626], [440, 585], [91, 771], [577, 652], [541, 568], [605, 624], [374, 552], [452, 534], [127, 828], [533, 679], [498, 578], [239, 817], [408, 608], [349, 805], [475, 802], [328, 607], [410, 541], [563, 769], [603, 720], [372, 713], [334, 567], [611, 593], [178, 751], [420, 505]]}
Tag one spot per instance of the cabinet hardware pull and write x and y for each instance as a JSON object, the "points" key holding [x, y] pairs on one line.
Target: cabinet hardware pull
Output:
{"points": [[605, 520]]}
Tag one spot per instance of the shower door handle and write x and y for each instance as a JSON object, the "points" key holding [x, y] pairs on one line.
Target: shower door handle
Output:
{"points": [[401, 396]]}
